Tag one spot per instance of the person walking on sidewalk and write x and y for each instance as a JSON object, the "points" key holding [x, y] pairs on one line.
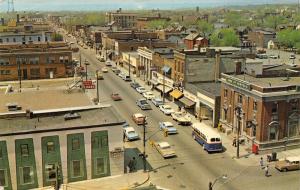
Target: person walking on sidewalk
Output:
{"points": [[267, 171], [234, 142], [261, 162]]}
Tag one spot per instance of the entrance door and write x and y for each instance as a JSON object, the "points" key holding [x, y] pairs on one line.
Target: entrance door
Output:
{"points": [[24, 73]]}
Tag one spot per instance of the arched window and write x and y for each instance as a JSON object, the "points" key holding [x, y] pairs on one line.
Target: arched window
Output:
{"points": [[273, 130]]}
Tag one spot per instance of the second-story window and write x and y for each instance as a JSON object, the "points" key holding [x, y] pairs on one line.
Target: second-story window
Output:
{"points": [[225, 93], [254, 106], [274, 107], [240, 99], [294, 104], [24, 150]]}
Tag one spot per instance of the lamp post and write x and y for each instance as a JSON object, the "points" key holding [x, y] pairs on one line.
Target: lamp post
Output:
{"points": [[144, 144], [97, 86], [238, 112], [164, 78], [86, 64], [211, 184]]}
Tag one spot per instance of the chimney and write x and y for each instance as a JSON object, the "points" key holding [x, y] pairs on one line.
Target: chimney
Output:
{"points": [[2, 21], [18, 18], [217, 65]]}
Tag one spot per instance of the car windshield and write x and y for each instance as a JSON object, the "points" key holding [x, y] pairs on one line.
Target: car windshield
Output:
{"points": [[167, 108], [143, 102], [165, 147], [131, 132], [169, 126]]}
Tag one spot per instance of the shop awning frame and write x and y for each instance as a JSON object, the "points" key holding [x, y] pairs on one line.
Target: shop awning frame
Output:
{"points": [[176, 94], [187, 102]]}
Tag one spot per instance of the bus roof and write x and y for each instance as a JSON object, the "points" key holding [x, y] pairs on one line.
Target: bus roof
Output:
{"points": [[205, 129]]}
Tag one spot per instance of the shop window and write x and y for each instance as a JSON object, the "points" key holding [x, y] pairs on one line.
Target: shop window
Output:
{"points": [[3, 178], [50, 147], [273, 130], [26, 175], [24, 150], [274, 108], [77, 168], [101, 165], [75, 144]]}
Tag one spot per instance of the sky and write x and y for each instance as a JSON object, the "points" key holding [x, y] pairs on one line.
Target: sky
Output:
{"points": [[52, 5]]}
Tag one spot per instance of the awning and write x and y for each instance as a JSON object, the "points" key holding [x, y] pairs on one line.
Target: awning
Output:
{"points": [[154, 82], [166, 69], [160, 87], [176, 94], [187, 102]]}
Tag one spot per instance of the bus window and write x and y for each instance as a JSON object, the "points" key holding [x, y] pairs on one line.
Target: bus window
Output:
{"points": [[218, 139], [213, 140]]}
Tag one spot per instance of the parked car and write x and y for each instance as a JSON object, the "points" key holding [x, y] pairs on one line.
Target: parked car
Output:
{"points": [[104, 70], [108, 63], [148, 95], [288, 164], [273, 56], [102, 58], [126, 77], [143, 104], [141, 89], [116, 96], [135, 85], [262, 56], [292, 56], [167, 126], [130, 134], [166, 109], [139, 118], [157, 101], [121, 74], [181, 118], [165, 149], [98, 57], [115, 70]]}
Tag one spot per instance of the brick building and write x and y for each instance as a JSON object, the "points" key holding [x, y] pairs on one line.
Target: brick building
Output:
{"points": [[121, 19], [265, 108], [35, 61], [260, 38]]}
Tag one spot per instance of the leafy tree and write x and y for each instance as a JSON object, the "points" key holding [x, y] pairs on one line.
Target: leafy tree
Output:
{"points": [[274, 21], [235, 19], [57, 37], [225, 37], [289, 38], [158, 24], [204, 27]]}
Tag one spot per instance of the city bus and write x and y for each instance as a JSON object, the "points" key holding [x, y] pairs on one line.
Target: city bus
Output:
{"points": [[207, 137]]}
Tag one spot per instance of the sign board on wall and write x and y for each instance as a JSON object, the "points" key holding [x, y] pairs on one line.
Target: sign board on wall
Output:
{"points": [[159, 78]]}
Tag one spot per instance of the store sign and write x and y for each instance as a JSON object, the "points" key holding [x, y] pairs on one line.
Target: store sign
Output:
{"points": [[238, 83]]}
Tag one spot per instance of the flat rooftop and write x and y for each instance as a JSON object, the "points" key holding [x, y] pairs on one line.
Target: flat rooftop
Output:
{"points": [[270, 81], [51, 94], [52, 121], [211, 89]]}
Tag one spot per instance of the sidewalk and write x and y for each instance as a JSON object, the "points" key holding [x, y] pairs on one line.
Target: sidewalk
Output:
{"points": [[246, 156]]}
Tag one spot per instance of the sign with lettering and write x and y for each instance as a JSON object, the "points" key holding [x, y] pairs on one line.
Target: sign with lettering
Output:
{"points": [[238, 83]]}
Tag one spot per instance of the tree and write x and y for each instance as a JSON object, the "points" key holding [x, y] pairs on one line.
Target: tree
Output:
{"points": [[274, 21], [225, 37], [57, 37], [204, 27], [158, 24], [289, 38], [235, 19]]}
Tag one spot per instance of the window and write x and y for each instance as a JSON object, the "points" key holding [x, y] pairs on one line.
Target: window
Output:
{"points": [[104, 141], [39, 39], [26, 175], [3, 178], [101, 165], [75, 144], [50, 60], [7, 39], [61, 59], [95, 142], [1, 41], [34, 60], [24, 150], [35, 72], [76, 168], [50, 147], [240, 99], [225, 92], [46, 39], [274, 108], [294, 104], [273, 132], [255, 106], [51, 172], [4, 72]]}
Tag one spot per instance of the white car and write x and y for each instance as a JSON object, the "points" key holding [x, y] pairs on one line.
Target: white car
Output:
{"points": [[141, 90], [104, 70], [165, 149], [130, 134], [148, 95], [166, 109], [108, 63], [98, 57], [181, 118]]}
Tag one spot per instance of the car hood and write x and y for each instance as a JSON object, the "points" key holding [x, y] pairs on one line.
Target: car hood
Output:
{"points": [[187, 119], [167, 151], [132, 135], [280, 164], [172, 129]]}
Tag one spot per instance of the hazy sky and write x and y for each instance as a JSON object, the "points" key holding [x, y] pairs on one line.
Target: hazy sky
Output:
{"points": [[127, 4]]}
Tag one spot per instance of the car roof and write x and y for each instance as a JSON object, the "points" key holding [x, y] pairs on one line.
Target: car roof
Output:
{"points": [[167, 106], [293, 158], [157, 98], [129, 129], [168, 123], [138, 115], [142, 99], [163, 144]]}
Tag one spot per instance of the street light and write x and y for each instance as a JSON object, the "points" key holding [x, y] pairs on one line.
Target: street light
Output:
{"points": [[211, 184], [86, 64], [238, 112]]}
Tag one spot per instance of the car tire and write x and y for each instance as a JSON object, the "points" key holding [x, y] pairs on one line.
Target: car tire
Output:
{"points": [[284, 170], [194, 137]]}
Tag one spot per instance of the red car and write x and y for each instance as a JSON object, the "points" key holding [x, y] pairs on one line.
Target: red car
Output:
{"points": [[116, 97]]}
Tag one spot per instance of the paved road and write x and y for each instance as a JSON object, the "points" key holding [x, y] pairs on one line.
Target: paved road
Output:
{"points": [[193, 168]]}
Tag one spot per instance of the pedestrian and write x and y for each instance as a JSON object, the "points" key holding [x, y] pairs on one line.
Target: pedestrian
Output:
{"points": [[124, 137], [130, 165], [267, 171], [133, 164], [261, 162], [234, 142]]}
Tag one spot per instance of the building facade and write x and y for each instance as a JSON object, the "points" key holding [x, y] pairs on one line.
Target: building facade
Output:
{"points": [[55, 148], [122, 19], [35, 61], [265, 109]]}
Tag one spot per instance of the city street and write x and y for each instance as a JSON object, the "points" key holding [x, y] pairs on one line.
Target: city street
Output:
{"points": [[193, 167]]}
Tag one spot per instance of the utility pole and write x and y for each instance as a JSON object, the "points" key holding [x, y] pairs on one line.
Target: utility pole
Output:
{"points": [[80, 59], [164, 78], [97, 84], [19, 74], [144, 144], [129, 66], [238, 114], [86, 72]]}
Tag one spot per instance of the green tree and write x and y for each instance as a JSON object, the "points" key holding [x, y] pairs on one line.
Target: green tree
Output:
{"points": [[57, 37], [235, 19], [204, 27], [225, 37], [274, 21], [289, 38], [158, 24]]}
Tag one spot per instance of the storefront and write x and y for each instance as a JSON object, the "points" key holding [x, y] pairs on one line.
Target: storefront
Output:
{"points": [[189, 101]]}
